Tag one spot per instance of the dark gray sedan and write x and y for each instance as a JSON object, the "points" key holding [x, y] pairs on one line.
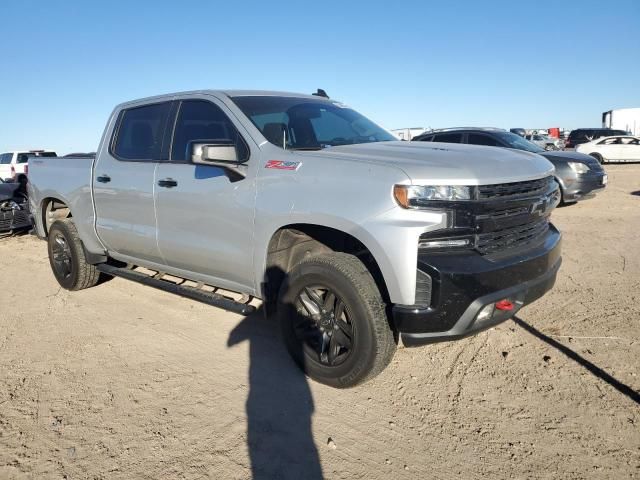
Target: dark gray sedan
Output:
{"points": [[580, 176]]}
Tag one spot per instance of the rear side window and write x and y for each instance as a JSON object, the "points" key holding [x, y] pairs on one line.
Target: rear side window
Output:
{"points": [[200, 121], [141, 132], [5, 158], [448, 138], [477, 139]]}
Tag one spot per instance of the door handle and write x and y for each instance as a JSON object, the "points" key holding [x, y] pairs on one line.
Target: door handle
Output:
{"points": [[104, 179], [167, 183]]}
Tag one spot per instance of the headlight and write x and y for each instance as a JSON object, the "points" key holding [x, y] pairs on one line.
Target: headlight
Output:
{"points": [[418, 196], [578, 167]]}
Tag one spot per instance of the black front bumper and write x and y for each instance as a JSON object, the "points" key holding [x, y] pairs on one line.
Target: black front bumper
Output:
{"points": [[464, 283], [585, 186]]}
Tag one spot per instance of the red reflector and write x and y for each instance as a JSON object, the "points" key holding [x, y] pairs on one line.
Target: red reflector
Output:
{"points": [[505, 305]]}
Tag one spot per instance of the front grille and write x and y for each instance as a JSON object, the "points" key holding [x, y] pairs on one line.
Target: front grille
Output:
{"points": [[5, 221], [20, 217], [10, 219], [502, 190], [504, 216], [508, 238]]}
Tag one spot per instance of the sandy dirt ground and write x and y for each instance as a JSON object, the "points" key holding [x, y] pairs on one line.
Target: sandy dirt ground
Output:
{"points": [[123, 381]]}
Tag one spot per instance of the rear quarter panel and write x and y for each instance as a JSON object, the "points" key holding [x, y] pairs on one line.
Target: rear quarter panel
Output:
{"points": [[67, 180]]}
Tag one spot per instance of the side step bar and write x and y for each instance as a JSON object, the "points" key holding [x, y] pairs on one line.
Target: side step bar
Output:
{"points": [[210, 298]]}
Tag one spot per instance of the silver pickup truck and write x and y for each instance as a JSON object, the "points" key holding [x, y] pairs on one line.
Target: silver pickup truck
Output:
{"points": [[356, 240]]}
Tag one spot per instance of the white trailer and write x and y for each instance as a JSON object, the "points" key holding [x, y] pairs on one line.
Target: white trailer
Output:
{"points": [[627, 119], [408, 133]]}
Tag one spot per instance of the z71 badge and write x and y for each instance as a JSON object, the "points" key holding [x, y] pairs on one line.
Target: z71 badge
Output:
{"points": [[282, 165]]}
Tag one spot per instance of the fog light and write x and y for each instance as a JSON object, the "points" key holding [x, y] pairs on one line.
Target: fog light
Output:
{"points": [[485, 314], [461, 242]]}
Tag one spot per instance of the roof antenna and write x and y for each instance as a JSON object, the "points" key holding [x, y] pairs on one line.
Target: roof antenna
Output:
{"points": [[320, 93]]}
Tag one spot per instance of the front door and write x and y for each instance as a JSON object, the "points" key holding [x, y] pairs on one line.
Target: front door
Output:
{"points": [[204, 214], [123, 181]]}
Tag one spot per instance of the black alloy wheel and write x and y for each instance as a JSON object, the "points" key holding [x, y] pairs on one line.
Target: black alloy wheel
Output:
{"points": [[61, 256], [324, 326]]}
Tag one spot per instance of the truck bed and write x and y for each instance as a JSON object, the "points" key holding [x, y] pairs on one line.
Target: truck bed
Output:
{"points": [[67, 180]]}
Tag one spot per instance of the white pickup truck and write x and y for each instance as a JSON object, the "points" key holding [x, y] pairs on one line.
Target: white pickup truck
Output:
{"points": [[15, 165], [356, 239]]}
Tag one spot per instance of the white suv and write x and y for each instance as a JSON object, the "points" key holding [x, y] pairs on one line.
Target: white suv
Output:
{"points": [[15, 164]]}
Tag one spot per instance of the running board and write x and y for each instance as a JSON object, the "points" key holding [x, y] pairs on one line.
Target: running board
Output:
{"points": [[194, 293]]}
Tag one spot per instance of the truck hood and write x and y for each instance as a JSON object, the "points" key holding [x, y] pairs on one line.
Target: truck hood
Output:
{"points": [[448, 163]]}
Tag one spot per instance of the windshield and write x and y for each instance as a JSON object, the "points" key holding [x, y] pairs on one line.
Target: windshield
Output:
{"points": [[517, 142], [309, 124]]}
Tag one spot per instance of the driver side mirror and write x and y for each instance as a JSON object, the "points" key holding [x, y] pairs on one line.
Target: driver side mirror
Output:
{"points": [[217, 154], [214, 153]]}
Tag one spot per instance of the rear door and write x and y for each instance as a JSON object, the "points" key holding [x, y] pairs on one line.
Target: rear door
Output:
{"points": [[629, 149], [205, 215], [123, 181]]}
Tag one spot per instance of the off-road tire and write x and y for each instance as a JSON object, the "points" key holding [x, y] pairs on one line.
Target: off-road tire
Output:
{"points": [[81, 274], [349, 279]]}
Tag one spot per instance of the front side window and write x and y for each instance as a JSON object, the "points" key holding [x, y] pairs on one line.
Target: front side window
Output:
{"points": [[200, 121], [5, 158], [309, 124], [448, 138], [141, 132]]}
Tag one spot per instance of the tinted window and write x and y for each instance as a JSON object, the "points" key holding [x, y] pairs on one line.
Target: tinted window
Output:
{"points": [[428, 138], [200, 121], [448, 138], [5, 158], [478, 139], [309, 124], [141, 132]]}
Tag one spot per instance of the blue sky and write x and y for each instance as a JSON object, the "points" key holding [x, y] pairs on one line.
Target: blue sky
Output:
{"points": [[66, 64]]}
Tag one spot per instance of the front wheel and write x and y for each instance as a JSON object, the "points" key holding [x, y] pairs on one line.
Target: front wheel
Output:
{"points": [[67, 259], [598, 157], [333, 320]]}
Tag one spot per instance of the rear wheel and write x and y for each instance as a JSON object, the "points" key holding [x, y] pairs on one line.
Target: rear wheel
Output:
{"points": [[334, 321], [67, 259]]}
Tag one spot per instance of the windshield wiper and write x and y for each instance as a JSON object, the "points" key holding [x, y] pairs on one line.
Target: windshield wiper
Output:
{"points": [[305, 148]]}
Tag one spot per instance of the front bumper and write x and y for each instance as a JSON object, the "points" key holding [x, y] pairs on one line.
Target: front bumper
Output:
{"points": [[585, 186], [464, 283]]}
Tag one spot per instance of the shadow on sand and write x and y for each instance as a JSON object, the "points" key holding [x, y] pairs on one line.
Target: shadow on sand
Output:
{"points": [[593, 369], [279, 406]]}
